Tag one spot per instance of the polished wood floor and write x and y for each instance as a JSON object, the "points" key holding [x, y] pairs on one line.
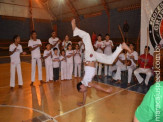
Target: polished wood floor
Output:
{"points": [[58, 100]]}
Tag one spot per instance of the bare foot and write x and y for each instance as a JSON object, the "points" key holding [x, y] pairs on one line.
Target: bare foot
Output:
{"points": [[124, 46], [109, 90], [73, 23]]}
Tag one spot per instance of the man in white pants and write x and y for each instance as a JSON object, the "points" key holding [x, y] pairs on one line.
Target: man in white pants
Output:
{"points": [[34, 45], [91, 57], [120, 66], [145, 63], [15, 50], [107, 50], [133, 57], [99, 47]]}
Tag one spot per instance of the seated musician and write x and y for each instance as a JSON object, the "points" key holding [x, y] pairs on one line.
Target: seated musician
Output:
{"points": [[145, 63], [119, 66], [133, 57]]}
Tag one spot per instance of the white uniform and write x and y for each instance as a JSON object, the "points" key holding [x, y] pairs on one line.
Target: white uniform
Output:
{"points": [[36, 56], [133, 65], [81, 49], [119, 67], [107, 51], [99, 45], [48, 65], [52, 41], [146, 71], [55, 63], [63, 68], [64, 44], [91, 55], [69, 64], [77, 61], [15, 63]]}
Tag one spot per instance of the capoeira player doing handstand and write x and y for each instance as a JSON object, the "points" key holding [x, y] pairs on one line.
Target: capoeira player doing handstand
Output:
{"points": [[91, 57]]}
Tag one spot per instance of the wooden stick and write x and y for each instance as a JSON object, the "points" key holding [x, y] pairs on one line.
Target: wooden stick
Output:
{"points": [[138, 42], [147, 44], [121, 33]]}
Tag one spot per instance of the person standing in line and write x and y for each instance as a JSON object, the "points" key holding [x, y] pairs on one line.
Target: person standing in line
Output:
{"points": [[63, 65], [15, 49], [107, 50], [54, 41], [56, 61], [77, 61], [66, 42], [69, 57], [99, 47], [34, 45], [48, 63]]}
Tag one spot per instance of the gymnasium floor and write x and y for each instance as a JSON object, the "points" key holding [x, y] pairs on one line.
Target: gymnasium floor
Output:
{"points": [[57, 101]]}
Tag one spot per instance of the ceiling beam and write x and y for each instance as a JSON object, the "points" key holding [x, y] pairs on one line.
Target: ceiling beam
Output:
{"points": [[72, 8]]}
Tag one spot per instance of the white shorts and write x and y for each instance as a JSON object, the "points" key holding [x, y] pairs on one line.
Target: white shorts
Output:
{"points": [[89, 74]]}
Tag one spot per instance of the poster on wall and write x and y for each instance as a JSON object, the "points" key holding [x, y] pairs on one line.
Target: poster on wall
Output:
{"points": [[152, 18]]}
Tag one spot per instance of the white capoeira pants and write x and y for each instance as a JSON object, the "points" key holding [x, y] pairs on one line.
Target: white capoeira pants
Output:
{"points": [[98, 68], [69, 70], [130, 70], [39, 65], [106, 70], [49, 71], [90, 54], [88, 76], [147, 71], [13, 67], [63, 72], [118, 72], [77, 69]]}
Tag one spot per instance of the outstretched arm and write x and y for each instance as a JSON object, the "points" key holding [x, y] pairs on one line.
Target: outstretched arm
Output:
{"points": [[84, 99]]}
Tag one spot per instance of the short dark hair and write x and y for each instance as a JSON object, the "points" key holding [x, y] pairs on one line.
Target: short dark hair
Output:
{"points": [[15, 37], [62, 51], [100, 35], [107, 35], [47, 44], [132, 44], [78, 86], [55, 49], [33, 32], [147, 47], [69, 45]]}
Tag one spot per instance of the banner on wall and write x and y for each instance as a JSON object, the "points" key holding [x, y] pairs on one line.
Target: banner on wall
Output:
{"points": [[152, 18]]}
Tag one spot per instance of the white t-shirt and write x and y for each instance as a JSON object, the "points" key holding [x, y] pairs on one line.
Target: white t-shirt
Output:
{"points": [[122, 57], [48, 60], [99, 45], [82, 47], [69, 60], [66, 43], [55, 63], [135, 54], [35, 53], [15, 57], [63, 63], [52, 41], [108, 45], [77, 57]]}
